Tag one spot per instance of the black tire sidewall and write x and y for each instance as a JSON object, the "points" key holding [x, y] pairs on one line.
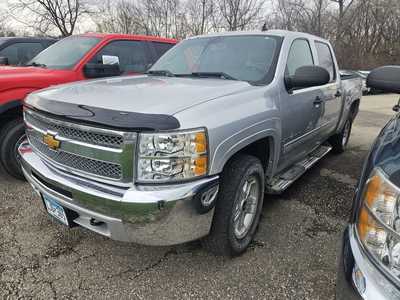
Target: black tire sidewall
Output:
{"points": [[11, 134], [238, 246], [221, 239], [337, 140], [348, 123]]}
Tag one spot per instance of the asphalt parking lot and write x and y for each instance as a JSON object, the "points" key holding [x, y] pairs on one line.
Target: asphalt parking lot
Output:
{"points": [[293, 257]]}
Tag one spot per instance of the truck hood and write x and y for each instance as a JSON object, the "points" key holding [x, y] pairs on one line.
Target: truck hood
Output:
{"points": [[143, 94], [29, 77], [131, 103]]}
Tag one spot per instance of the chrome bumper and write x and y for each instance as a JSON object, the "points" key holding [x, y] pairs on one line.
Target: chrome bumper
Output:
{"points": [[376, 285], [149, 215]]}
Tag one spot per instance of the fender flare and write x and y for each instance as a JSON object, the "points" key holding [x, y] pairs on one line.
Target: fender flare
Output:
{"points": [[10, 105], [273, 134]]}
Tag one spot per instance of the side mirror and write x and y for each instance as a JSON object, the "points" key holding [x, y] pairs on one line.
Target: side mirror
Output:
{"points": [[100, 70], [3, 61], [110, 60], [385, 79], [307, 76]]}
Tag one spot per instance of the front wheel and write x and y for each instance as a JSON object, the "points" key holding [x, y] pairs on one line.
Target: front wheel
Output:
{"points": [[238, 207], [339, 141], [11, 137]]}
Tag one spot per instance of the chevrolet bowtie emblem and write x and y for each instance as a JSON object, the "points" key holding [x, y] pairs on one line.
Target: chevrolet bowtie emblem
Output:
{"points": [[51, 141]]}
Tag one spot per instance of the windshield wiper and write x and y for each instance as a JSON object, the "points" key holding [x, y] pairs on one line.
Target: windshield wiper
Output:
{"points": [[161, 73], [222, 75], [35, 64]]}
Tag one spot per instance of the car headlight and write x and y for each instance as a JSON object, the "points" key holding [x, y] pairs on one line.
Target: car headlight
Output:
{"points": [[379, 221], [176, 156]]}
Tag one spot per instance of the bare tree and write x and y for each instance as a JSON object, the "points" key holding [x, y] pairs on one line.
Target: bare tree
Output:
{"points": [[240, 14], [46, 15], [199, 16], [121, 17]]}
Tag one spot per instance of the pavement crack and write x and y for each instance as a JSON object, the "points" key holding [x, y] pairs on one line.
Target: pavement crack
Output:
{"points": [[256, 244], [149, 267]]}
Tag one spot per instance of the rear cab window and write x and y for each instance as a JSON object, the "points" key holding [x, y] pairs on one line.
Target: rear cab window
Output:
{"points": [[20, 53], [325, 59], [300, 55]]}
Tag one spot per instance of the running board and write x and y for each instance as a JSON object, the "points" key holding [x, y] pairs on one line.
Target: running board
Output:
{"points": [[282, 181]]}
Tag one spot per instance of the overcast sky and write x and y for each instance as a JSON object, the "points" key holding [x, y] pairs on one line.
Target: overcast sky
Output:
{"points": [[84, 25]]}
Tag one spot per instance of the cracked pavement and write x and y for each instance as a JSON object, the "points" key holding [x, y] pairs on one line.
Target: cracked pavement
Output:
{"points": [[293, 257]]}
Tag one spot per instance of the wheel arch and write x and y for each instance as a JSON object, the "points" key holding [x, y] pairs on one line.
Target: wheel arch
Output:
{"points": [[262, 145], [9, 111], [354, 108]]}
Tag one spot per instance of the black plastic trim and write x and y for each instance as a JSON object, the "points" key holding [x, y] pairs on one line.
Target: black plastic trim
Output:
{"points": [[10, 105], [113, 119]]}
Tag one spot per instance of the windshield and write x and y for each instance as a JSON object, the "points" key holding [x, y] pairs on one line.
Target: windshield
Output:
{"points": [[247, 58], [64, 54]]}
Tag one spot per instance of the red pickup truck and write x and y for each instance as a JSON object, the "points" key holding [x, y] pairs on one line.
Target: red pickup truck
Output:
{"points": [[71, 59]]}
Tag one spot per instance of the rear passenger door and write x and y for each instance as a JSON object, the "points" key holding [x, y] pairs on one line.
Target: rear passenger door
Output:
{"points": [[133, 55], [331, 93], [301, 109]]}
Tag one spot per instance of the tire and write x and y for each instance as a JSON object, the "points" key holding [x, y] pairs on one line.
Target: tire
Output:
{"points": [[225, 238], [11, 136], [340, 141]]}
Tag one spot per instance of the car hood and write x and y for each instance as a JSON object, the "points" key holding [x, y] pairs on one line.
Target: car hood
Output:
{"points": [[141, 94], [29, 77]]}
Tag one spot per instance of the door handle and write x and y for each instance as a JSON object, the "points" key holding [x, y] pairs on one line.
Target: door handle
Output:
{"points": [[338, 94], [318, 101]]}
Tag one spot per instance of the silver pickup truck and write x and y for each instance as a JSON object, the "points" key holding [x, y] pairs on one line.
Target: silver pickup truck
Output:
{"points": [[187, 151]]}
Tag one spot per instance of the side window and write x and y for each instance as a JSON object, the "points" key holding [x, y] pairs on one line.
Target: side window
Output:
{"points": [[325, 58], [160, 49], [131, 54], [299, 55], [21, 52]]}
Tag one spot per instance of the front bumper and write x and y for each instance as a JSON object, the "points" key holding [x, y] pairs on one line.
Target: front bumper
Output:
{"points": [[149, 215], [376, 285]]}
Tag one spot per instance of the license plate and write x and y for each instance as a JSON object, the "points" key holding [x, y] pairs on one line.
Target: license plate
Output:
{"points": [[55, 209]]}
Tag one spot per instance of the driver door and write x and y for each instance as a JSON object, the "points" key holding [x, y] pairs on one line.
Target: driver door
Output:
{"points": [[300, 109]]}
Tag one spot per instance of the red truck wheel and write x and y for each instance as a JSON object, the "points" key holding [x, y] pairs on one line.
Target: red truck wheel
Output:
{"points": [[11, 136]]}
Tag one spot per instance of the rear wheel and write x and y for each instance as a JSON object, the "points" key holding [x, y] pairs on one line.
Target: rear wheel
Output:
{"points": [[238, 207], [339, 141], [11, 137]]}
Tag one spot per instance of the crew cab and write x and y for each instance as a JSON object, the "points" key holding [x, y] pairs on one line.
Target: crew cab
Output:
{"points": [[187, 151], [71, 59], [369, 261], [19, 50]]}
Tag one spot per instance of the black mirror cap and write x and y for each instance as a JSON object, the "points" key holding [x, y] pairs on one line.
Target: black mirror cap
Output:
{"points": [[3, 60], [100, 70], [307, 76], [385, 78]]}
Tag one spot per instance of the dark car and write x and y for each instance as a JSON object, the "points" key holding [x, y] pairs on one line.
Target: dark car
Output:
{"points": [[369, 264], [19, 50]]}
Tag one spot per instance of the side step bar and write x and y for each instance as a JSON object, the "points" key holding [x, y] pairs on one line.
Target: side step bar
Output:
{"points": [[282, 181]]}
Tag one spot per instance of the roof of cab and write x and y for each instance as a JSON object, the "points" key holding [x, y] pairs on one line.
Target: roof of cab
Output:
{"points": [[114, 36], [16, 38], [282, 33]]}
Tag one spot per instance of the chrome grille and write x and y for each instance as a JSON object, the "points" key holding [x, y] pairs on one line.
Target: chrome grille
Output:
{"points": [[107, 140], [70, 160], [100, 154]]}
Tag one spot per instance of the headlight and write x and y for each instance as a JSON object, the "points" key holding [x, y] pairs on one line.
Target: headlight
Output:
{"points": [[166, 157], [379, 221]]}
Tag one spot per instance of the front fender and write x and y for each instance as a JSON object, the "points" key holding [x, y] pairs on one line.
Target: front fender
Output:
{"points": [[13, 98], [239, 140]]}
